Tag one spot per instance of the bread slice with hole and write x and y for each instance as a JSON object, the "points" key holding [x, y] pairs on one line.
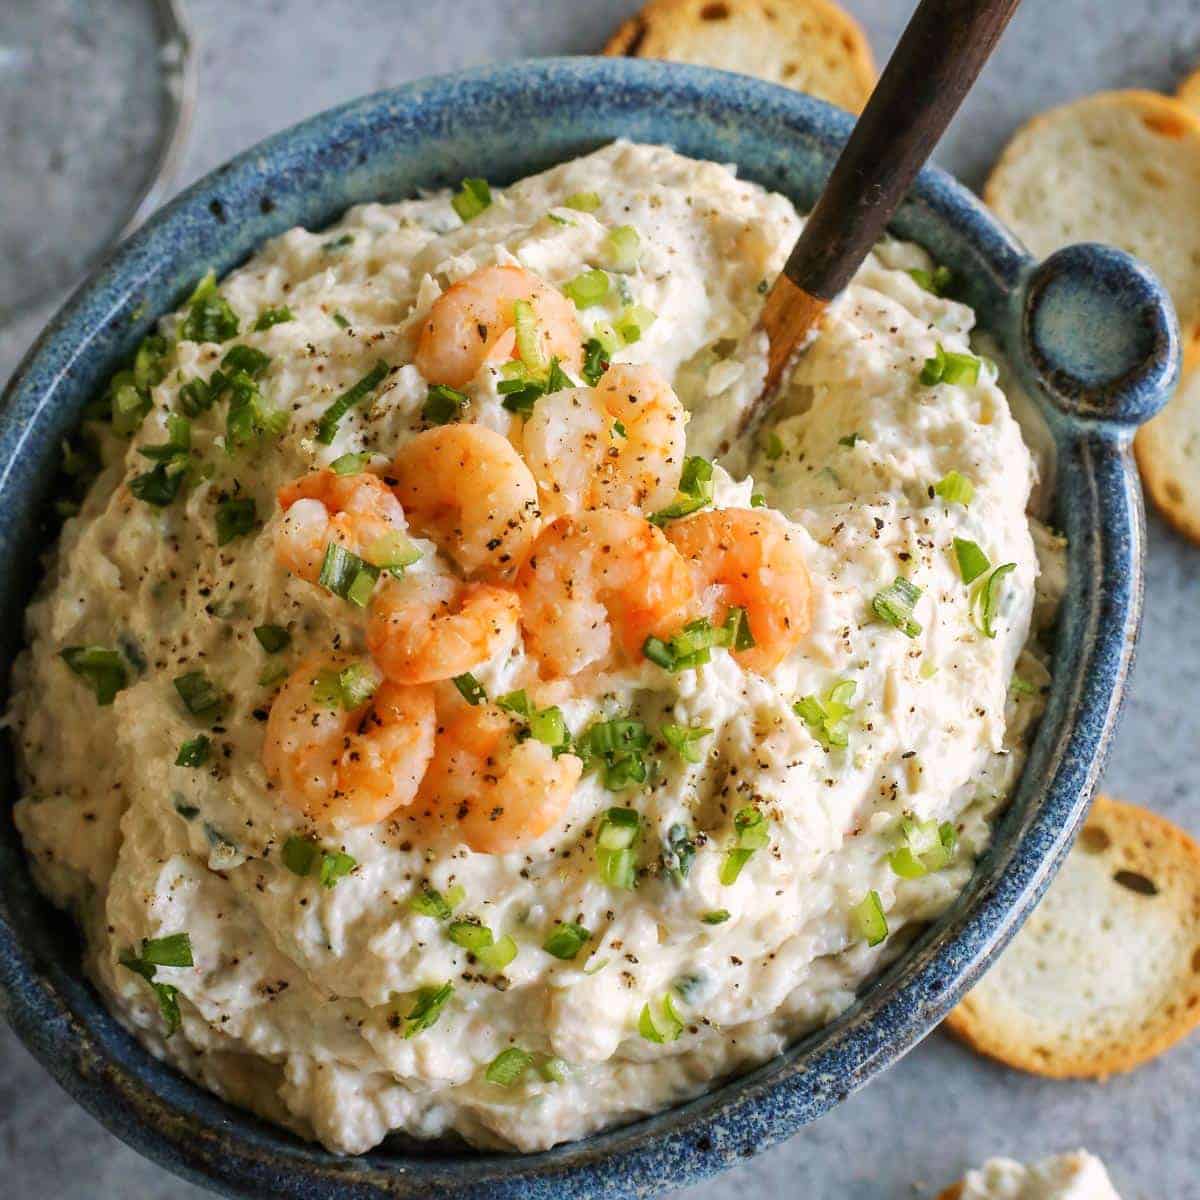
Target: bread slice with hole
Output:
{"points": [[1106, 972], [810, 45], [1117, 167], [1168, 456], [1188, 92]]}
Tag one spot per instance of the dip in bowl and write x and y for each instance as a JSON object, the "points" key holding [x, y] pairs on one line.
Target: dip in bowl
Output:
{"points": [[813, 823]]}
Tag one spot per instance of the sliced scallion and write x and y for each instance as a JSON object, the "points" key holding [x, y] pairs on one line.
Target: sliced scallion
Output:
{"points": [[868, 920], [509, 1066], [327, 427], [895, 604], [972, 562], [955, 489], [566, 940], [472, 198]]}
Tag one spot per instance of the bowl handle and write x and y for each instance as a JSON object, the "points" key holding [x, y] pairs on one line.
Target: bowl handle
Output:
{"points": [[1099, 334]]}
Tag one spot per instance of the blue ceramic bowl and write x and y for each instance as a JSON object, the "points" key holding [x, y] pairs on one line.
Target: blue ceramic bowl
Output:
{"points": [[1091, 334]]}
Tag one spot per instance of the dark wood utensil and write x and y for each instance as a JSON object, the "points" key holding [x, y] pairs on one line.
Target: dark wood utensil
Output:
{"points": [[933, 67]]}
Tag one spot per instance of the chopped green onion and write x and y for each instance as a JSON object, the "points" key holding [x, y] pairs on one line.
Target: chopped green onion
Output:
{"points": [[348, 688], [596, 360], [717, 917], [972, 562], [565, 940], [895, 604], [174, 950], [249, 419], [335, 866], [868, 920], [101, 669], [851, 440], [554, 1070], [1022, 687], [695, 491], [199, 694], [426, 1009], [515, 702], [529, 349], [955, 489], [619, 746], [750, 834], [988, 598], [346, 575], [666, 1028], [683, 738], [328, 425], [209, 317], [616, 854], [477, 939], [679, 852], [272, 638], [758, 500], [347, 239], [634, 320], [508, 1066], [826, 716], [429, 902], [340, 321], [392, 552], [623, 247], [273, 316], [443, 404], [557, 379], [773, 446], [582, 201], [691, 647], [470, 689], [472, 198], [194, 752], [245, 358], [936, 281], [350, 464], [470, 934], [587, 288], [948, 367], [300, 855], [548, 726], [925, 846], [499, 954], [161, 485], [235, 519]]}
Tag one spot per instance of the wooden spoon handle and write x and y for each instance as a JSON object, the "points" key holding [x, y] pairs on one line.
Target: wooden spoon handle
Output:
{"points": [[937, 60]]}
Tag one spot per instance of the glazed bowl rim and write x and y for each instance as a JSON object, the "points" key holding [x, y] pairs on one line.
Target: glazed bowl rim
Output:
{"points": [[191, 1132]]}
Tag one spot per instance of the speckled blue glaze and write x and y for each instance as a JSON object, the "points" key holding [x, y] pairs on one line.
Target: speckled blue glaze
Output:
{"points": [[1092, 336]]}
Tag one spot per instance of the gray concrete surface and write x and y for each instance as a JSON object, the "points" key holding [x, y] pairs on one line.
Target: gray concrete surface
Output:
{"points": [[266, 65]]}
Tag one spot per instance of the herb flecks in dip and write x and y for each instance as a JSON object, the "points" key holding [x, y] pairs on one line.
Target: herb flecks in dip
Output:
{"points": [[428, 735]]}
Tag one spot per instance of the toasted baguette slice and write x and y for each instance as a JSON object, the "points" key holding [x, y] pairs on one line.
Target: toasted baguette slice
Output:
{"points": [[810, 45], [1106, 973], [1168, 456], [1189, 92], [1118, 167]]}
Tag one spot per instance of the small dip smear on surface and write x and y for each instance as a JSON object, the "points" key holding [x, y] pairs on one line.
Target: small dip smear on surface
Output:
{"points": [[430, 735]]}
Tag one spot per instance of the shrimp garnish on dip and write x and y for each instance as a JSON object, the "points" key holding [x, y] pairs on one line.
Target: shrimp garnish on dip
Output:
{"points": [[464, 749]]}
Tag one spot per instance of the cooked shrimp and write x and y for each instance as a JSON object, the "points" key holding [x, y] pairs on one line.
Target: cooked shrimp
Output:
{"points": [[427, 626], [617, 445], [472, 323], [348, 768], [498, 791], [356, 511], [597, 577], [470, 491], [746, 557]]}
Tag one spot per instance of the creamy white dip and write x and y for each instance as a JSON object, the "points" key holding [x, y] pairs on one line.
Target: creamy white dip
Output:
{"points": [[296, 1000], [1074, 1176]]}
